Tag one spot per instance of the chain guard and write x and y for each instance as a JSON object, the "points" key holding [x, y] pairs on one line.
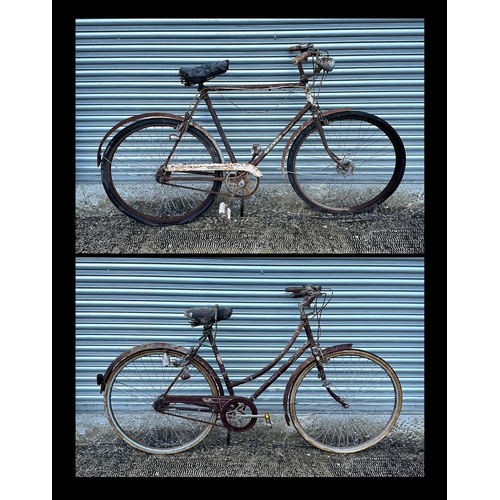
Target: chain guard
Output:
{"points": [[234, 414]]}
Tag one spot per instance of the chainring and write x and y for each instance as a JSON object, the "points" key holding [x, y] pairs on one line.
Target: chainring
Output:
{"points": [[235, 415], [241, 184]]}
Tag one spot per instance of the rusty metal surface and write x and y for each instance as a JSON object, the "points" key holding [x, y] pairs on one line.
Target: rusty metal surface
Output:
{"points": [[163, 346], [208, 167], [135, 118]]}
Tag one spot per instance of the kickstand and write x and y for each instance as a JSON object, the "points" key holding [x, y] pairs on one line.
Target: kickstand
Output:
{"points": [[228, 437]]}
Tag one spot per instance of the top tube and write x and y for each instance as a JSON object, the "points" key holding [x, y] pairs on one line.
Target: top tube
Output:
{"points": [[257, 86]]}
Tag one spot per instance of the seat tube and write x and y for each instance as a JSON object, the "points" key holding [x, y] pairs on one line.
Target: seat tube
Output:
{"points": [[218, 124], [222, 367]]}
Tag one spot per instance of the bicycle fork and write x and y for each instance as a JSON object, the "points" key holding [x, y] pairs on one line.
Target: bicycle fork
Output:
{"points": [[342, 166], [327, 383], [317, 353]]}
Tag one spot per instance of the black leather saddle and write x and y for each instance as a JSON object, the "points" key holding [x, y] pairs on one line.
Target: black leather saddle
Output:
{"points": [[207, 315], [190, 75]]}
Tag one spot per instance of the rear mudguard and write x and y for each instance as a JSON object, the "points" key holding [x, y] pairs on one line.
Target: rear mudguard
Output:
{"points": [[151, 115], [295, 374], [160, 345]]}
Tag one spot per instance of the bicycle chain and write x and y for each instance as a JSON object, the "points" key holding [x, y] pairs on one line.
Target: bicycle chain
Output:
{"points": [[191, 418], [229, 196]]}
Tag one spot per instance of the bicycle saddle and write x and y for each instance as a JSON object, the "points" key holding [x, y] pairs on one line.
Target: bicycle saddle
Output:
{"points": [[206, 315], [190, 75]]}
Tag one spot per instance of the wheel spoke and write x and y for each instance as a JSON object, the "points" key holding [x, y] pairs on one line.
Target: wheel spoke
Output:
{"points": [[372, 165], [134, 386], [134, 182], [369, 386]]}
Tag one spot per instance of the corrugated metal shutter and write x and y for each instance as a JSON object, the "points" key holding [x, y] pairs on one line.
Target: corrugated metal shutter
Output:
{"points": [[378, 304], [130, 66]]}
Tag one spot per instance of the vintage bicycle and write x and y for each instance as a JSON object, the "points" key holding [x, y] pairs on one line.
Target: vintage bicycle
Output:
{"points": [[164, 169], [164, 399]]}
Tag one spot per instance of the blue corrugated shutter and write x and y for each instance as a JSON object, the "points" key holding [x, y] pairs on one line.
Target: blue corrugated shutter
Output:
{"points": [[130, 66], [378, 304]]}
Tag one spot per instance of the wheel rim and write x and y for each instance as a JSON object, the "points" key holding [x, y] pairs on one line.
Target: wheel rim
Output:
{"points": [[366, 383], [133, 159], [132, 390], [372, 157]]}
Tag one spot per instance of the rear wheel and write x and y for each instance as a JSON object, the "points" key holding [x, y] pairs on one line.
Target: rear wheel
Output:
{"points": [[369, 390], [371, 162], [134, 412], [130, 172]]}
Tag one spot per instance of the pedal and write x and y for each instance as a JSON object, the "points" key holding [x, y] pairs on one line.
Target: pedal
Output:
{"points": [[268, 421], [224, 211]]}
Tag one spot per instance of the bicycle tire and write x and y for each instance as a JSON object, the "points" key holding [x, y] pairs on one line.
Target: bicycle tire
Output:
{"points": [[132, 159], [137, 382], [372, 153], [363, 380]]}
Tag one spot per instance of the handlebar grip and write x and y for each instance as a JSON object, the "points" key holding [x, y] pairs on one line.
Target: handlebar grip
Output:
{"points": [[301, 46], [301, 57], [303, 291]]}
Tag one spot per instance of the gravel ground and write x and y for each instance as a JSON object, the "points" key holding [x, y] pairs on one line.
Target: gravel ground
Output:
{"points": [[273, 220], [259, 452]]}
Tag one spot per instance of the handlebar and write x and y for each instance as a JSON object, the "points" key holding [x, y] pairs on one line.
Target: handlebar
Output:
{"points": [[301, 57], [304, 291], [301, 47], [308, 49], [310, 292]]}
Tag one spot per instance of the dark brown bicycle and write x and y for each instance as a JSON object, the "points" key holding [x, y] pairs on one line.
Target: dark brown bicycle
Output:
{"points": [[163, 169], [164, 399]]}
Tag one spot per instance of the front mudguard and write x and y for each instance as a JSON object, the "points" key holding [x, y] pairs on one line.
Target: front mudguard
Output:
{"points": [[102, 380], [295, 374]]}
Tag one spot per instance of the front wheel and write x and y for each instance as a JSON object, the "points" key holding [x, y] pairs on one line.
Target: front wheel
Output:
{"points": [[367, 165], [133, 408], [132, 177], [356, 407]]}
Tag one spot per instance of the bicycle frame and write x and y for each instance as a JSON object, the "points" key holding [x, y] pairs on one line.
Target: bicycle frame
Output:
{"points": [[222, 400], [310, 343], [258, 156], [165, 169], [204, 94], [183, 395]]}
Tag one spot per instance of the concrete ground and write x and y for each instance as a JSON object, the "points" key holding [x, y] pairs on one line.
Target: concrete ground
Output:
{"points": [[273, 220], [259, 452]]}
